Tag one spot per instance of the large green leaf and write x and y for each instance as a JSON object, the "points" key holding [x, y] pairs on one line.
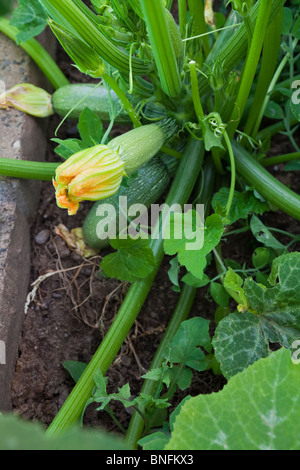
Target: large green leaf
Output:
{"points": [[17, 434], [259, 409], [266, 315], [243, 204], [193, 242], [30, 18], [133, 260]]}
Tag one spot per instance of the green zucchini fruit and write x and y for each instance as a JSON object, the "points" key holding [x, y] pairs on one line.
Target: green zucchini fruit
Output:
{"points": [[85, 95], [145, 188], [139, 145]]}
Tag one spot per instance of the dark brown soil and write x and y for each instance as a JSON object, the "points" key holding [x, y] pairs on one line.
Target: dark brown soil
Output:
{"points": [[71, 312], [73, 308]]}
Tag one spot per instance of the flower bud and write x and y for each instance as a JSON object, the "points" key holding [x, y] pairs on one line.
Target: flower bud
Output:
{"points": [[243, 7], [217, 76], [29, 99], [91, 174], [86, 59]]}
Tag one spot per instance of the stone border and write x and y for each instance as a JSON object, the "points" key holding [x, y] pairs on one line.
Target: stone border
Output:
{"points": [[21, 137]]}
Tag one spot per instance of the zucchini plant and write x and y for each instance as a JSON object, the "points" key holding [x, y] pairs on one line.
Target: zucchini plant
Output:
{"points": [[203, 91]]}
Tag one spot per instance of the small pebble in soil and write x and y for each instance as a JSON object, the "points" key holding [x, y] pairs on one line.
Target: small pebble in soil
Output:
{"points": [[42, 237], [62, 248]]}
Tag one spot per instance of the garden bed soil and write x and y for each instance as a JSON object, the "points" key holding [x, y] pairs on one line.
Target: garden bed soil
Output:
{"points": [[73, 308]]}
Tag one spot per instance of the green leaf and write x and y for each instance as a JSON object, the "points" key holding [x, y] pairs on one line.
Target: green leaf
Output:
{"points": [[219, 294], [154, 441], [238, 342], [258, 409], [173, 274], [90, 128], [184, 348], [296, 29], [68, 147], [133, 260], [273, 111], [17, 434], [159, 374], [182, 376], [75, 369], [287, 20], [233, 285], [6, 6], [293, 166], [210, 138], [30, 18], [272, 316], [264, 236], [193, 281], [243, 204], [191, 254]]}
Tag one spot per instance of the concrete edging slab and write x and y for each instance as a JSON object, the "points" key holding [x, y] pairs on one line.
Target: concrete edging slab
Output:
{"points": [[21, 137]]}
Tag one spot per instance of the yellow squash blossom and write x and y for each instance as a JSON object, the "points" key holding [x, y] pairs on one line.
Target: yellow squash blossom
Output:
{"points": [[91, 174]]}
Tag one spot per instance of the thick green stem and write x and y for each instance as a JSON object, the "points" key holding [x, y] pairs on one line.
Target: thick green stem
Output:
{"points": [[195, 91], [36, 51], [123, 98], [233, 173], [278, 194], [250, 66], [42, 171], [268, 65], [235, 49], [287, 157], [249, 28], [196, 8], [270, 89], [181, 312], [180, 191], [182, 13], [162, 47]]}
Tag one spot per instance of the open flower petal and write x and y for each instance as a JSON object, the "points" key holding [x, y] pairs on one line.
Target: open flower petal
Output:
{"points": [[91, 174]]}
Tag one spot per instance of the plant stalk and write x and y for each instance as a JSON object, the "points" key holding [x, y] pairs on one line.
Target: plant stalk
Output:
{"points": [[196, 8], [162, 47], [287, 157], [266, 184], [181, 313], [180, 191], [43, 171], [268, 65], [250, 66]]}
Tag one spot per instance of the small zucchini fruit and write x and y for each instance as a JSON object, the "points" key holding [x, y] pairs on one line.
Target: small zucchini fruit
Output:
{"points": [[144, 188]]}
